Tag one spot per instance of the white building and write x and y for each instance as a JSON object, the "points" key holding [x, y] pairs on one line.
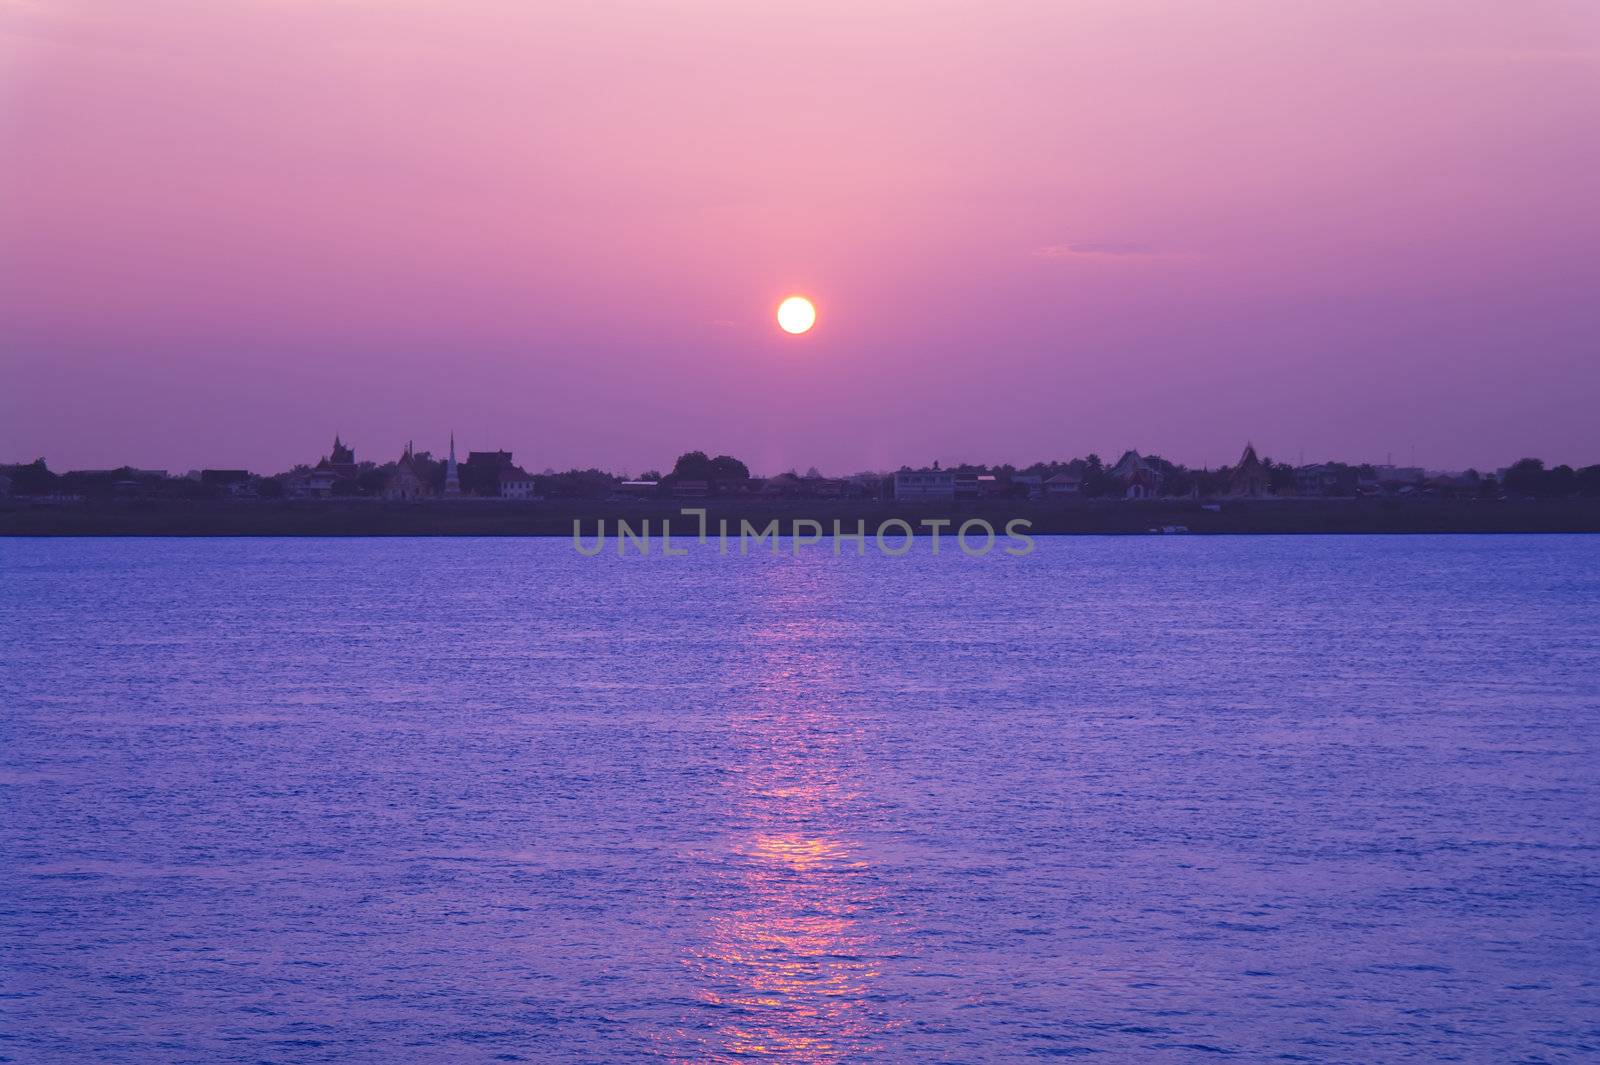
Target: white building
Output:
{"points": [[1063, 484], [406, 484], [931, 485], [516, 483]]}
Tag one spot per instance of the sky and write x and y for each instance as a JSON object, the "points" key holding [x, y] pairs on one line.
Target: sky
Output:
{"points": [[230, 229]]}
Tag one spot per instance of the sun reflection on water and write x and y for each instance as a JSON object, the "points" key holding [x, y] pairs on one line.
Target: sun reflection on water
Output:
{"points": [[789, 970], [792, 969]]}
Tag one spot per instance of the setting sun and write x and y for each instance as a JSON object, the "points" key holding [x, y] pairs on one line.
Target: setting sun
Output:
{"points": [[796, 315]]}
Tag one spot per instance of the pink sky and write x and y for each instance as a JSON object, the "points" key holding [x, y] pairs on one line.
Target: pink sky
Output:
{"points": [[1032, 230]]}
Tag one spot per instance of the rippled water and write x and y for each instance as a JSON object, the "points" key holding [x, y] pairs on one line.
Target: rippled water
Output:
{"points": [[1164, 799]]}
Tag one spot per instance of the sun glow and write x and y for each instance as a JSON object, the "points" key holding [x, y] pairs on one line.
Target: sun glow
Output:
{"points": [[796, 315]]}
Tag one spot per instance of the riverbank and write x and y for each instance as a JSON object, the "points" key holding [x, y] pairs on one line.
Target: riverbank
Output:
{"points": [[557, 517]]}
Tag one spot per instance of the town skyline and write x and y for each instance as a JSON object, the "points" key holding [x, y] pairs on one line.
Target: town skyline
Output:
{"points": [[97, 459], [1108, 455], [419, 473]]}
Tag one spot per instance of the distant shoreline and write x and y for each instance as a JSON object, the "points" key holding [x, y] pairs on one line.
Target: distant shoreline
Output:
{"points": [[556, 517]]}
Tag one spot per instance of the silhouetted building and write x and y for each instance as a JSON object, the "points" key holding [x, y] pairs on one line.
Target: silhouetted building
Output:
{"points": [[223, 478], [321, 480], [515, 483], [1135, 477], [1250, 477], [407, 483], [452, 476], [930, 484], [639, 488], [1318, 479], [342, 459], [1060, 486], [1399, 476], [493, 460], [480, 474], [823, 487]]}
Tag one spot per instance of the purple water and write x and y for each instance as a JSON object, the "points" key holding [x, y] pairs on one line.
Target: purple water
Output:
{"points": [[1155, 799]]}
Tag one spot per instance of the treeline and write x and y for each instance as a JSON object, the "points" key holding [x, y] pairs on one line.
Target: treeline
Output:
{"points": [[1528, 478]]}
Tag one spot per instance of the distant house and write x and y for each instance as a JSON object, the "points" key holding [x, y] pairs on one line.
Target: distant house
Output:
{"points": [[1136, 477], [1250, 476], [321, 480], [406, 484], [734, 486], [1395, 477], [865, 486], [223, 478], [930, 485], [687, 489], [515, 483], [972, 484], [310, 484], [492, 460], [639, 488], [483, 472], [1452, 485], [1061, 485], [1318, 479], [823, 487], [238, 484], [1027, 484], [783, 486], [317, 483], [125, 471]]}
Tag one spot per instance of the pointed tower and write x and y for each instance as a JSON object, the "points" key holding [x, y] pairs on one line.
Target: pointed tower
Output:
{"points": [[452, 480], [1251, 476]]}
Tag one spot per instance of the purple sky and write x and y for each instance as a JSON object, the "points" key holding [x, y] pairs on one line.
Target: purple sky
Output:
{"points": [[1032, 230]]}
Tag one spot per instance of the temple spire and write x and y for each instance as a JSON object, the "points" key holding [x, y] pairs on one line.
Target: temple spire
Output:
{"points": [[452, 479]]}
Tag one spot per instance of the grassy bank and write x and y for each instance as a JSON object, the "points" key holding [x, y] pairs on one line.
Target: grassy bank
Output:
{"points": [[556, 517]]}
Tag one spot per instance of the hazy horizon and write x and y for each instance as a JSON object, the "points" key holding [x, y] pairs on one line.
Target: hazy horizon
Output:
{"points": [[1031, 230]]}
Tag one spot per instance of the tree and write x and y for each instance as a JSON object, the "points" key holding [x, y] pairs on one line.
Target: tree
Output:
{"points": [[1588, 480], [576, 484], [728, 468], [33, 479], [697, 466], [1560, 482], [1525, 477], [1097, 482], [692, 466]]}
